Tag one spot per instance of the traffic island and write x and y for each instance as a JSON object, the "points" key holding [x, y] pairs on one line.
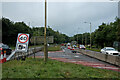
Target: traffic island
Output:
{"points": [[36, 68]]}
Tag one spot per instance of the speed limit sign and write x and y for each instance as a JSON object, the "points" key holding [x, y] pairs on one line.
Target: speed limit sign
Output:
{"points": [[22, 42], [23, 38]]}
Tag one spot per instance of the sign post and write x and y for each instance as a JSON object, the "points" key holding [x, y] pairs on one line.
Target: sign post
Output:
{"points": [[22, 43], [45, 41]]}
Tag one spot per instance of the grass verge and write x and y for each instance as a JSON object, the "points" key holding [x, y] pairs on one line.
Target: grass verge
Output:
{"points": [[36, 68], [54, 48], [93, 49]]}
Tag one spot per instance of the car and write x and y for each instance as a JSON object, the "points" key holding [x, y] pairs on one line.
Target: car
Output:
{"points": [[5, 48], [74, 49], [74, 46], [48, 44], [62, 44], [69, 47], [82, 47], [110, 51]]}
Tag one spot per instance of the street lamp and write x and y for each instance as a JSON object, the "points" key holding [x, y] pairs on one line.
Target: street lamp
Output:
{"points": [[82, 39], [90, 34], [77, 37], [85, 38]]}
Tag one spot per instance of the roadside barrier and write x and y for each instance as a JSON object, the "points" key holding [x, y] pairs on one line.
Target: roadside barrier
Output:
{"points": [[21, 55], [2, 59], [115, 60]]}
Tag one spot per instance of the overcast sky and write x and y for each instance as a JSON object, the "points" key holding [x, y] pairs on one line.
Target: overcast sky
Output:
{"points": [[66, 17]]}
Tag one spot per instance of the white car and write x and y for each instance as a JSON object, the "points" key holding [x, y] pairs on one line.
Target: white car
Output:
{"points": [[110, 51], [82, 47]]}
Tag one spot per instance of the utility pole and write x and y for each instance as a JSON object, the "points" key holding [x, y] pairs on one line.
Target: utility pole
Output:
{"points": [[85, 39], [82, 39], [45, 41], [77, 40], [90, 36], [29, 24]]}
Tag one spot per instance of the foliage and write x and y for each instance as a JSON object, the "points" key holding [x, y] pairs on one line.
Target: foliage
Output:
{"points": [[105, 35], [10, 31], [52, 69]]}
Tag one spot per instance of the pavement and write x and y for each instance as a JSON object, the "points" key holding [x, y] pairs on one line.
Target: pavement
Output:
{"points": [[67, 56]]}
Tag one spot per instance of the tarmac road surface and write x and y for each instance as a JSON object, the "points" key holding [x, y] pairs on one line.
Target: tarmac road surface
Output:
{"points": [[66, 55]]}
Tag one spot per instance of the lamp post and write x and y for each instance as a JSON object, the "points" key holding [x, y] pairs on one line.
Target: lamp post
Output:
{"points": [[82, 39], [77, 38], [90, 34], [45, 41], [86, 39]]}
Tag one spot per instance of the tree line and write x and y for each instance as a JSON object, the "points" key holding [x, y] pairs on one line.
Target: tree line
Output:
{"points": [[105, 35], [11, 29]]}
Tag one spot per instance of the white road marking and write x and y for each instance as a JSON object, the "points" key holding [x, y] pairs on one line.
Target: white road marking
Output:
{"points": [[76, 56], [96, 64], [72, 61], [108, 67]]}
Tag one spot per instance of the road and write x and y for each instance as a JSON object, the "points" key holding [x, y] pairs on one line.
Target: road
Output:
{"points": [[77, 58]]}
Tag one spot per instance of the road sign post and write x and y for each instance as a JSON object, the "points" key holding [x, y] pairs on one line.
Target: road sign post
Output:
{"points": [[22, 43]]}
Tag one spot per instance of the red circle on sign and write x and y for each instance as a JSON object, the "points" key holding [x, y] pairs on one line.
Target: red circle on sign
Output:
{"points": [[21, 35]]}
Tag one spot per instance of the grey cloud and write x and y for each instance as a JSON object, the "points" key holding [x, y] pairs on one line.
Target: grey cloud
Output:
{"points": [[63, 16]]}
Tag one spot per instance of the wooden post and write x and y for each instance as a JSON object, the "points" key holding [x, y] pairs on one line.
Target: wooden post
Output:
{"points": [[45, 41]]}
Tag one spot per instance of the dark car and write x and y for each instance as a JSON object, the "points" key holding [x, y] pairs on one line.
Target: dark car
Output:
{"points": [[5, 48]]}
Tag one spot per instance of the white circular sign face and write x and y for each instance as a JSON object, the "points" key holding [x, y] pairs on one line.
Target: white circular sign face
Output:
{"points": [[23, 38]]}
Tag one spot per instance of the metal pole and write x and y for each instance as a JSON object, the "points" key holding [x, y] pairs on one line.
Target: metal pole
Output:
{"points": [[45, 41], [86, 39], [29, 24], [34, 45], [90, 35], [77, 39], [82, 39]]}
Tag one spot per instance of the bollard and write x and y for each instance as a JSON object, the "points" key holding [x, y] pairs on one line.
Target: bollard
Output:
{"points": [[4, 56], [2, 60]]}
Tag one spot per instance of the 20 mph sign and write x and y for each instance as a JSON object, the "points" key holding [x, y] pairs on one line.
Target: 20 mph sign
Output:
{"points": [[22, 42]]}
